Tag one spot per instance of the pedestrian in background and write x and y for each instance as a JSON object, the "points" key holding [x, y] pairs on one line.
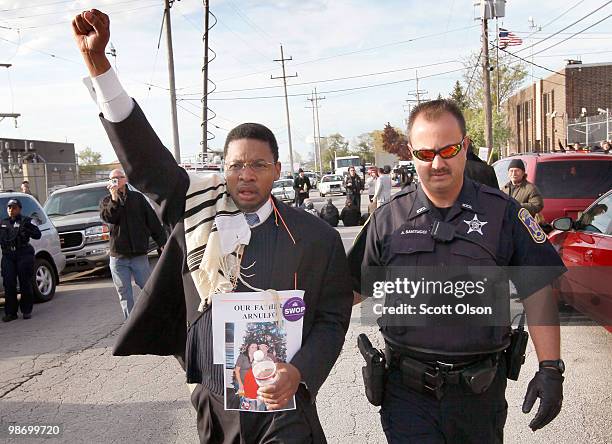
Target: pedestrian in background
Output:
{"points": [[301, 185], [353, 184], [350, 214], [309, 207], [330, 214], [480, 171], [25, 188], [17, 261], [382, 192], [133, 221], [526, 193], [370, 183]]}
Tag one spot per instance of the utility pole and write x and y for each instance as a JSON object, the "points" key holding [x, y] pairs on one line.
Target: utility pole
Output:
{"points": [[315, 140], [317, 98], [175, 135], [418, 94], [486, 80], [205, 83], [497, 64], [10, 115], [284, 77]]}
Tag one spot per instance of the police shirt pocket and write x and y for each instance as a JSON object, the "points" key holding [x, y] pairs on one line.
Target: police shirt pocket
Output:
{"points": [[472, 253], [404, 250]]}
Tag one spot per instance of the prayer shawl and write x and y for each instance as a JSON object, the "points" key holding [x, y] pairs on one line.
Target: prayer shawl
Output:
{"points": [[216, 233]]}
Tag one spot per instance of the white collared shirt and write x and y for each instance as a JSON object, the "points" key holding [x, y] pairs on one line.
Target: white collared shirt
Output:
{"points": [[263, 213]]}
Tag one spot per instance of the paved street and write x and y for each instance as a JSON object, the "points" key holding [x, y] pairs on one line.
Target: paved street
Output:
{"points": [[58, 368]]}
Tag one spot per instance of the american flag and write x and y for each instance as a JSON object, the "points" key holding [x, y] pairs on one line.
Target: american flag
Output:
{"points": [[506, 38]]}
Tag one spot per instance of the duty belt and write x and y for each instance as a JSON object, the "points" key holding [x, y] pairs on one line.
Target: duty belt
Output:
{"points": [[430, 377]]}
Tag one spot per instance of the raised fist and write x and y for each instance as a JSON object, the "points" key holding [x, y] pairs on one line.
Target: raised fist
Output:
{"points": [[91, 30]]}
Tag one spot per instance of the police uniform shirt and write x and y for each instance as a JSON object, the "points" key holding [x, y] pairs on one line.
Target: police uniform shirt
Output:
{"points": [[499, 233]]}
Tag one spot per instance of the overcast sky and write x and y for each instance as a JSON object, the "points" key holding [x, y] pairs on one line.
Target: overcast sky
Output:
{"points": [[328, 39]]}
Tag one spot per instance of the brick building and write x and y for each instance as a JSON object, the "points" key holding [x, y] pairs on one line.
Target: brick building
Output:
{"points": [[538, 114]]}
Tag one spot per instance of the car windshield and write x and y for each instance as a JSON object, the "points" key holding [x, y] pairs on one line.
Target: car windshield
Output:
{"points": [[343, 163], [282, 183], [332, 179], [29, 208], [75, 201], [574, 179]]}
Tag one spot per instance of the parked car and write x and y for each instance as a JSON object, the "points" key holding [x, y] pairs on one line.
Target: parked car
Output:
{"points": [[569, 182], [313, 178], [283, 190], [585, 245], [331, 183], [84, 237], [49, 259]]}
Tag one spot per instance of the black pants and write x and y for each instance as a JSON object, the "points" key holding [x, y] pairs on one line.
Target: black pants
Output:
{"points": [[299, 198], [355, 199], [219, 426], [459, 417], [18, 264]]}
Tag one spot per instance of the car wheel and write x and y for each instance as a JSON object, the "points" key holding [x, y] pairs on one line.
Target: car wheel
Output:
{"points": [[44, 281]]}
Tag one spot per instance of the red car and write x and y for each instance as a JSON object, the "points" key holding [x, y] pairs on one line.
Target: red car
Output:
{"points": [[569, 182], [585, 246]]}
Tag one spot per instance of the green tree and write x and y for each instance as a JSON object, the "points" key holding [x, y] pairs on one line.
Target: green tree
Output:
{"points": [[334, 145], [87, 156], [459, 96], [364, 148], [509, 76]]}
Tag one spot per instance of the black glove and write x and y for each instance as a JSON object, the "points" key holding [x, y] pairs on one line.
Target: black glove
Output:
{"points": [[547, 384]]}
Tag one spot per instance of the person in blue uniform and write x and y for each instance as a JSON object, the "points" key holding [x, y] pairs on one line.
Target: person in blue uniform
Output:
{"points": [[17, 261], [449, 220]]}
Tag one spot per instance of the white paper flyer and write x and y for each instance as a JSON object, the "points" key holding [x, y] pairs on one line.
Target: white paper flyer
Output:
{"points": [[246, 323]]}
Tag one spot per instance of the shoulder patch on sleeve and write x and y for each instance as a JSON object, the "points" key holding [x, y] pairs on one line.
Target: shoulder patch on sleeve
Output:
{"points": [[535, 231]]}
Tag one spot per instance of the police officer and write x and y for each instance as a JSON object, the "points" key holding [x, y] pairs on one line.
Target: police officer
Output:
{"points": [[447, 383], [17, 260]]}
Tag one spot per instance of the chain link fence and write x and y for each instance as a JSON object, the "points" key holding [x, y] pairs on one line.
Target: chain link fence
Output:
{"points": [[589, 131], [45, 178]]}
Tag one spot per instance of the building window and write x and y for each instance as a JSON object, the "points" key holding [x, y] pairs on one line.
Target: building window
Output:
{"points": [[545, 103]]}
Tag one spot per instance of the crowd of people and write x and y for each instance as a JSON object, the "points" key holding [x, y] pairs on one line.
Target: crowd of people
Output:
{"points": [[604, 147], [441, 383]]}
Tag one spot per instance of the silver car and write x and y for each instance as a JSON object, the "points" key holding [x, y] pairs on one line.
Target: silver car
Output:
{"points": [[50, 261], [84, 236]]}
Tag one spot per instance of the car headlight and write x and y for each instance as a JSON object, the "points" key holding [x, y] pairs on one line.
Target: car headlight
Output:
{"points": [[99, 233]]}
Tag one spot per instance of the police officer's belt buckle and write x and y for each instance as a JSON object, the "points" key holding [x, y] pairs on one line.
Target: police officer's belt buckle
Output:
{"points": [[421, 377]]}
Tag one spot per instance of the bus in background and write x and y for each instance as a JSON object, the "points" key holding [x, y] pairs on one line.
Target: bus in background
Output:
{"points": [[343, 163]]}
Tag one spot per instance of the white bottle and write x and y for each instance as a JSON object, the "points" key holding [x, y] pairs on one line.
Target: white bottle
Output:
{"points": [[264, 369]]}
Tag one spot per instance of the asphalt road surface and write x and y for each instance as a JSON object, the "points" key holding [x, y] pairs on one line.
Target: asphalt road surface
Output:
{"points": [[57, 368]]}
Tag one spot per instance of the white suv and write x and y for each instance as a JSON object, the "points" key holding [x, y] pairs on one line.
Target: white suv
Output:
{"points": [[50, 261]]}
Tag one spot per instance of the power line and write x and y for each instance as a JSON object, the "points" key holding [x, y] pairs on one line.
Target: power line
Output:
{"points": [[553, 20], [592, 82], [563, 29], [36, 6], [339, 90], [333, 79], [114, 13], [579, 32], [359, 51], [69, 10]]}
